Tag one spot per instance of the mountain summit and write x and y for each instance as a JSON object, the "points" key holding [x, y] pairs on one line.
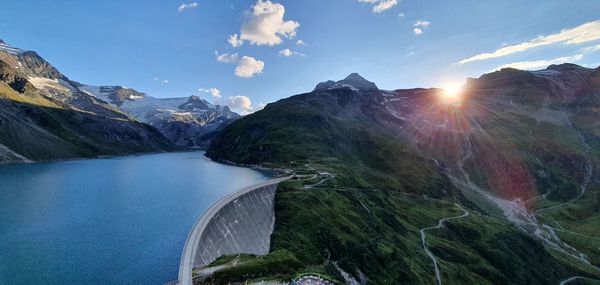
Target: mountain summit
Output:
{"points": [[353, 81], [359, 82], [528, 136]]}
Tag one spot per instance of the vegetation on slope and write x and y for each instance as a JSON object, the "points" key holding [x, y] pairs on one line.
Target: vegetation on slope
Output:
{"points": [[36, 126], [367, 218]]}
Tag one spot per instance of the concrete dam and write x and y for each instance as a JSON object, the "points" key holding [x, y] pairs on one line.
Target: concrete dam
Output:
{"points": [[241, 222]]}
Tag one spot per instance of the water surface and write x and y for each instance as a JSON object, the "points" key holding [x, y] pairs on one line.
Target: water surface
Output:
{"points": [[106, 221]]}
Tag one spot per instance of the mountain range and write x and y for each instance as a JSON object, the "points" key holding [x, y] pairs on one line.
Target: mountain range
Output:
{"points": [[187, 121], [507, 169], [44, 115], [495, 184]]}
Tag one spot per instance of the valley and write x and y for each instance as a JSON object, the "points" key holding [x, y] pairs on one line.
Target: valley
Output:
{"points": [[279, 142]]}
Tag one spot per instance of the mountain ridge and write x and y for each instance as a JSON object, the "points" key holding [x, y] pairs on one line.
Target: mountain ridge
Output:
{"points": [[518, 148], [43, 116], [189, 122]]}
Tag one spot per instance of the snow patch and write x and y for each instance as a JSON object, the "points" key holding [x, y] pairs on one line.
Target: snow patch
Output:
{"points": [[546, 72], [343, 85], [47, 83]]}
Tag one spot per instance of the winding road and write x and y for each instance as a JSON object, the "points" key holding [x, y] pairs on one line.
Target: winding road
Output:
{"points": [[424, 241], [575, 278], [318, 174]]}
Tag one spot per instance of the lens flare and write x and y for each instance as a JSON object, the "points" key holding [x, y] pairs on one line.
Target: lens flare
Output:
{"points": [[464, 129], [452, 91], [452, 94]]}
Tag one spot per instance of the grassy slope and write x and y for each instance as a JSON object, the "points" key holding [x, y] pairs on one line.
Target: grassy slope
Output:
{"points": [[43, 129], [576, 220], [290, 133], [376, 232]]}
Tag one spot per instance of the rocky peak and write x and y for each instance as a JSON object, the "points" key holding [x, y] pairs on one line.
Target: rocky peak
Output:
{"points": [[353, 81], [119, 94], [358, 82], [325, 85], [39, 67], [2, 42], [355, 77], [195, 102]]}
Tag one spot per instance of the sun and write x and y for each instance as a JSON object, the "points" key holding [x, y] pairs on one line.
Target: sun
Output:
{"points": [[451, 93]]}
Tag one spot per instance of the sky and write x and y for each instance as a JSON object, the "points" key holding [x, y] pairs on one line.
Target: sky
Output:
{"points": [[247, 53]]}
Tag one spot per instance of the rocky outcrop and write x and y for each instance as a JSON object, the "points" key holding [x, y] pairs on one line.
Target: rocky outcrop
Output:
{"points": [[44, 116], [187, 121]]}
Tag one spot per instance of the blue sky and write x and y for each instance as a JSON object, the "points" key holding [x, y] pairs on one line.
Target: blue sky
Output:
{"points": [[143, 44]]}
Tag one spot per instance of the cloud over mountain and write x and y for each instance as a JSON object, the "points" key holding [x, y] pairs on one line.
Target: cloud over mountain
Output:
{"points": [[581, 34], [215, 92], [537, 64]]}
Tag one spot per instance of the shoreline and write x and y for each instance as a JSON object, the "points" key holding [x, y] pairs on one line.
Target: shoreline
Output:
{"points": [[107, 156], [279, 171]]}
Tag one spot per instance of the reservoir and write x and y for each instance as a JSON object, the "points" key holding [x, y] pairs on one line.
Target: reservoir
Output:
{"points": [[106, 221]]}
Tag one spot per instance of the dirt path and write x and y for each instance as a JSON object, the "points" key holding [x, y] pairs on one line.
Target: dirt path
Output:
{"points": [[424, 240], [568, 280]]}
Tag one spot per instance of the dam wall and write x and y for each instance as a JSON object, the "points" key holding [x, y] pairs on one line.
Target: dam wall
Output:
{"points": [[241, 222]]}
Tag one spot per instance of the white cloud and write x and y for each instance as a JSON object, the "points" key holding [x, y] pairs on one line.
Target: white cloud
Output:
{"points": [[248, 67], [161, 80], [380, 5], [538, 64], [401, 15], [227, 57], [184, 6], [265, 25], [419, 25], [213, 91], [288, 52], [384, 5], [300, 43], [592, 48], [235, 41], [587, 32], [240, 104]]}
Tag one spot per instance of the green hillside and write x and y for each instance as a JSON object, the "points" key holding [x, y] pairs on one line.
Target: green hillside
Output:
{"points": [[374, 167]]}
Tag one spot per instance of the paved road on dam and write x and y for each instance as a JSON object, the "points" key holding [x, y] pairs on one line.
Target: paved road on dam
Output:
{"points": [[192, 242]]}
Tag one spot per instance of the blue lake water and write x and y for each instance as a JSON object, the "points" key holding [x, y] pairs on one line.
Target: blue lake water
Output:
{"points": [[106, 221]]}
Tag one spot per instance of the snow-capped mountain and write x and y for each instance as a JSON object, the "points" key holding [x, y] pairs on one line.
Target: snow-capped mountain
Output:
{"points": [[187, 121], [7, 48], [44, 116]]}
